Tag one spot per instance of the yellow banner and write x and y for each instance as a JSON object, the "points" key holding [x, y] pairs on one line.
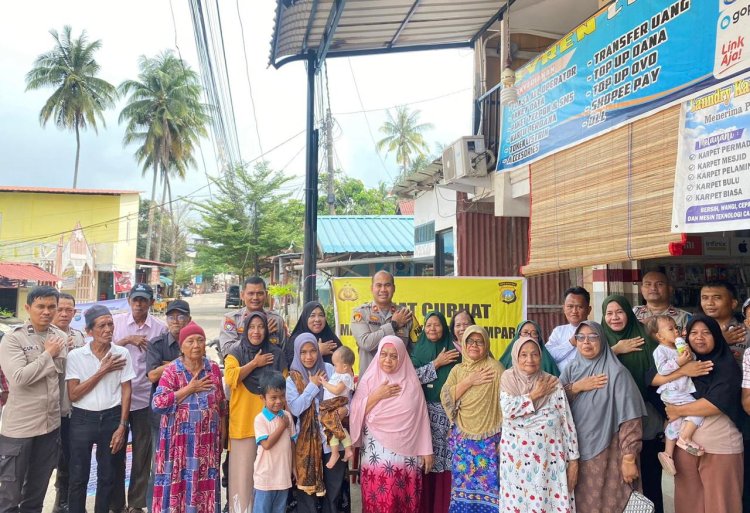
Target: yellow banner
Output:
{"points": [[497, 304]]}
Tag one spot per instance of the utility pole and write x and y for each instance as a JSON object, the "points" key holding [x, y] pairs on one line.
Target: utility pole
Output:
{"points": [[331, 199]]}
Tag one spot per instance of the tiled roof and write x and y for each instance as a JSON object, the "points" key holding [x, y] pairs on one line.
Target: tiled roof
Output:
{"points": [[56, 190], [18, 271], [406, 207], [366, 234]]}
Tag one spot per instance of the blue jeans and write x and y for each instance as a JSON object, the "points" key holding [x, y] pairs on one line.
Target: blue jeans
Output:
{"points": [[86, 429], [270, 501]]}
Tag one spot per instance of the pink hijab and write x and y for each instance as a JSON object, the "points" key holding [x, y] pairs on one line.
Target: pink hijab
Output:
{"points": [[399, 423]]}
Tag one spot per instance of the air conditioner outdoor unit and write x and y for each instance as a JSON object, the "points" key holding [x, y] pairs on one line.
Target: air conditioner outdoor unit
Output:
{"points": [[449, 164], [465, 158]]}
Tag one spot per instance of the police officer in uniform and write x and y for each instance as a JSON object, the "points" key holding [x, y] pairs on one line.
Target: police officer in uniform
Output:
{"points": [[66, 310], [32, 357], [373, 321], [254, 295]]}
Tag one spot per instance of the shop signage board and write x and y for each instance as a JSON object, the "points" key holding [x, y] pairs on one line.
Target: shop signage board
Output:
{"points": [[498, 304], [627, 60], [712, 177]]}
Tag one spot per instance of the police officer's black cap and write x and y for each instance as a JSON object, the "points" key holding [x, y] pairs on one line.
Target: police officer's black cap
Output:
{"points": [[179, 305], [93, 313], [142, 290]]}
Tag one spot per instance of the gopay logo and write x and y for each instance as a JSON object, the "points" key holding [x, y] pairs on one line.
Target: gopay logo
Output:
{"points": [[739, 14], [725, 22]]}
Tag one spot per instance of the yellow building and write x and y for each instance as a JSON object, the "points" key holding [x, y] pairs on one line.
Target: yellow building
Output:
{"points": [[86, 237]]}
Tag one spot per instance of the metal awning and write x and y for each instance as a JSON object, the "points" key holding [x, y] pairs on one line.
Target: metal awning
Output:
{"points": [[339, 28], [17, 271]]}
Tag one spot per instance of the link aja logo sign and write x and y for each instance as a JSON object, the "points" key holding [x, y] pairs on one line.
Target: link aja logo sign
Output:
{"points": [[731, 54]]}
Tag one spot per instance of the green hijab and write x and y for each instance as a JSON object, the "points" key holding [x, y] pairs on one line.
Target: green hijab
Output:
{"points": [[637, 362], [548, 363], [425, 351]]}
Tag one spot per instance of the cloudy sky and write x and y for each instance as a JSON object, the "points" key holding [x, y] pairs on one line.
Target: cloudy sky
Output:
{"points": [[437, 83]]}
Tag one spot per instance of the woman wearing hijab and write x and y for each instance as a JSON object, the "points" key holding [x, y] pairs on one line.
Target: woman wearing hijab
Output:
{"points": [[190, 400], [459, 322], [712, 482], [634, 347], [607, 409], [471, 399], [433, 357], [313, 320], [393, 450], [539, 442], [304, 392], [533, 330], [245, 366]]}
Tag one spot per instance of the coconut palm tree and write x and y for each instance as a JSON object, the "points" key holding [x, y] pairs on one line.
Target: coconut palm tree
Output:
{"points": [[166, 118], [403, 135], [80, 97]]}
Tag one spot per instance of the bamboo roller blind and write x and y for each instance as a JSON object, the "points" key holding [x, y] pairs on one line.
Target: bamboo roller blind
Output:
{"points": [[606, 200]]}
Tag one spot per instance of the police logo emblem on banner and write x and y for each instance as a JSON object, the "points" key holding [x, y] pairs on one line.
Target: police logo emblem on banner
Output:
{"points": [[347, 293], [507, 292]]}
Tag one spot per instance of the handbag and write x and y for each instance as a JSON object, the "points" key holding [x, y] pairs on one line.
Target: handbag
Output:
{"points": [[638, 503]]}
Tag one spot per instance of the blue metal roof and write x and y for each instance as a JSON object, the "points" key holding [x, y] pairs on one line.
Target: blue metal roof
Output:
{"points": [[365, 234]]}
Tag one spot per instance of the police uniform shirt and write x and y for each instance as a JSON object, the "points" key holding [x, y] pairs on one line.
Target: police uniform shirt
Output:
{"points": [[369, 325], [33, 407], [233, 326]]}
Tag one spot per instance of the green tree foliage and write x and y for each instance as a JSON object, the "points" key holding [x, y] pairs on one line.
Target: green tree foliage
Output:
{"points": [[164, 116], [175, 229], [404, 136], [352, 197], [250, 220], [80, 97]]}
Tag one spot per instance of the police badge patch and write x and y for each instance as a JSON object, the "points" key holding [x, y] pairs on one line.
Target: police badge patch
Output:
{"points": [[229, 325]]}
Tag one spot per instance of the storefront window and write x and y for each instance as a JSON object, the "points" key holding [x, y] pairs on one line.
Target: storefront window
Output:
{"points": [[444, 253]]}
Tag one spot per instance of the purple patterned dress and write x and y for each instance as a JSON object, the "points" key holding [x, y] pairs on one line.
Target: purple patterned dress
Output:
{"points": [[188, 456]]}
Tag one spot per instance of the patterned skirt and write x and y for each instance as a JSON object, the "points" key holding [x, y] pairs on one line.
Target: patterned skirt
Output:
{"points": [[475, 486], [391, 483]]}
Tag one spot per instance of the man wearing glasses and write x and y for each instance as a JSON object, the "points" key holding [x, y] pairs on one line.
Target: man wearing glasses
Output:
{"points": [[162, 350], [656, 290], [561, 344]]}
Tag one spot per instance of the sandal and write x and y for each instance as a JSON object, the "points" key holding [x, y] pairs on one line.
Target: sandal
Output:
{"points": [[690, 447], [667, 463]]}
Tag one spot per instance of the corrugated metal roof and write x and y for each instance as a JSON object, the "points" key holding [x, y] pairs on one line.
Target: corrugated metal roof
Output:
{"points": [[334, 28], [365, 234], [18, 271], [55, 190]]}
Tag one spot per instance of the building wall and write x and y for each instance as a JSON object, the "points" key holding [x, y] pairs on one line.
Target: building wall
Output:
{"points": [[31, 224], [488, 245], [438, 205]]}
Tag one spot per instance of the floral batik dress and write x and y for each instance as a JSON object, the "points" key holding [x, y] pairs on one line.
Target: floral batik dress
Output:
{"points": [[535, 448], [391, 483], [188, 455]]}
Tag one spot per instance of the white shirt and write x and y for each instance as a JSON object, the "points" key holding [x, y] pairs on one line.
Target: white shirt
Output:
{"points": [[337, 378], [559, 346], [82, 364]]}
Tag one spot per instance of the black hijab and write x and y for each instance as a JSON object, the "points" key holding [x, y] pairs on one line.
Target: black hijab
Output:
{"points": [[722, 386], [245, 351], [325, 335]]}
